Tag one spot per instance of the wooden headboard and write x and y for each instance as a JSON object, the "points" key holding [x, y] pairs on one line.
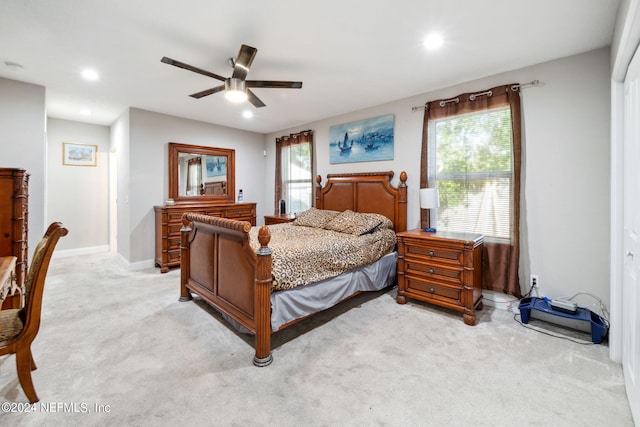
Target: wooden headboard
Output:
{"points": [[365, 192]]}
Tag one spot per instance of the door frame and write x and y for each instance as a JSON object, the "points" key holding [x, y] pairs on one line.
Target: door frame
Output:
{"points": [[629, 41]]}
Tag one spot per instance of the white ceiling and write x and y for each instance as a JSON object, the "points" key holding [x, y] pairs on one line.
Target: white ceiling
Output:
{"points": [[348, 54]]}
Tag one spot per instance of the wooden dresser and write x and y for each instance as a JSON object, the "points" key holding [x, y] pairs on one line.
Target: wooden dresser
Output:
{"points": [[442, 268], [168, 225], [14, 223]]}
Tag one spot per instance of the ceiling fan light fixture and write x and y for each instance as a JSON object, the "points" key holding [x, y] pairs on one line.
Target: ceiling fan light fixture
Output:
{"points": [[235, 90]]}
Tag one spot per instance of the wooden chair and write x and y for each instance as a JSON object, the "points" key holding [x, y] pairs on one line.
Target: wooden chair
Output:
{"points": [[19, 327]]}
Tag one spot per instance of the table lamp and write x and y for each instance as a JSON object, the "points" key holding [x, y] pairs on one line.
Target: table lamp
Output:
{"points": [[429, 199]]}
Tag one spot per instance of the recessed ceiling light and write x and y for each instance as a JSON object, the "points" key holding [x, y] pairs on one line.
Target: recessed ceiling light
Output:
{"points": [[90, 74], [433, 41], [247, 114]]}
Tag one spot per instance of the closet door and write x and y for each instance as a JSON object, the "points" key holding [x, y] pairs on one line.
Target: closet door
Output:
{"points": [[631, 231]]}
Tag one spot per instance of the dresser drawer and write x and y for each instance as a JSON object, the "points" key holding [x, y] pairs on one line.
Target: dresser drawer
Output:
{"points": [[432, 271], [434, 254], [173, 241], [174, 228], [173, 257], [239, 212], [168, 220], [175, 216], [434, 292]]}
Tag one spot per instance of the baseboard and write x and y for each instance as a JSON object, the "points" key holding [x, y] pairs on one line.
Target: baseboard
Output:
{"points": [[138, 265], [80, 251], [132, 266]]}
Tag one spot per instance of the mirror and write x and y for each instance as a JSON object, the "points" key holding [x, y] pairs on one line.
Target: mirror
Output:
{"points": [[201, 174]]}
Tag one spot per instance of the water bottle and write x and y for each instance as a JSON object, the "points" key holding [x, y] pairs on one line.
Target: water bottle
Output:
{"points": [[283, 207], [240, 195]]}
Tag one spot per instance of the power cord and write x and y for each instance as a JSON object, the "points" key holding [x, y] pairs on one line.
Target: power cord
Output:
{"points": [[577, 341], [604, 314]]}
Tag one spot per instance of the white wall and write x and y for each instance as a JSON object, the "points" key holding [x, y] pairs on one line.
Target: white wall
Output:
{"points": [[565, 194], [78, 195], [23, 145], [120, 150], [149, 134]]}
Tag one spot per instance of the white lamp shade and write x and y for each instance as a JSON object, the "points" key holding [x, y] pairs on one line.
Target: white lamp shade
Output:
{"points": [[429, 198]]}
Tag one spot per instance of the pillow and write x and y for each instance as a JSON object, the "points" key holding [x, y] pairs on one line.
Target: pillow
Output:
{"points": [[355, 223], [384, 221], [315, 217]]}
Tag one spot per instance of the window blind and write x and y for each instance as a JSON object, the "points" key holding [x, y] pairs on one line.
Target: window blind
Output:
{"points": [[471, 163]]}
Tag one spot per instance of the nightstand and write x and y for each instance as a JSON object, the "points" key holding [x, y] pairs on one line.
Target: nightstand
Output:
{"points": [[278, 218], [442, 268]]}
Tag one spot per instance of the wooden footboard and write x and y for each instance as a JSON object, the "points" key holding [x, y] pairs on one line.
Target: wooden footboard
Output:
{"points": [[219, 265]]}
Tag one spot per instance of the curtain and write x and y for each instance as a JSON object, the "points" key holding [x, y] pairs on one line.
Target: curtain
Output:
{"points": [[194, 176], [500, 259], [283, 163]]}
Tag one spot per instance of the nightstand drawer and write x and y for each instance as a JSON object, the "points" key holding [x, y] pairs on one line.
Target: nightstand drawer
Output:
{"points": [[434, 271], [434, 253], [434, 291]]}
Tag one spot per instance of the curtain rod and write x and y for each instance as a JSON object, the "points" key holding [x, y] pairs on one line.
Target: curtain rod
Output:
{"points": [[513, 87]]}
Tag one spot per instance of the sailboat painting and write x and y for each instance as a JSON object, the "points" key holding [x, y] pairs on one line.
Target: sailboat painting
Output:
{"points": [[367, 140]]}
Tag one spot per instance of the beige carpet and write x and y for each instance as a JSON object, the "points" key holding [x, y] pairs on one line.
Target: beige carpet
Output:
{"points": [[117, 348]]}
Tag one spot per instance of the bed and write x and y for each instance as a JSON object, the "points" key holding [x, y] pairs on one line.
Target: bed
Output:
{"points": [[223, 264]]}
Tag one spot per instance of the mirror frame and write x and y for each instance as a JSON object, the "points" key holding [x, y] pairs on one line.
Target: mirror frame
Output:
{"points": [[174, 151]]}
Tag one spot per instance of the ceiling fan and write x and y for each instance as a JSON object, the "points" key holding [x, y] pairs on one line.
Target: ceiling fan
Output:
{"points": [[236, 87]]}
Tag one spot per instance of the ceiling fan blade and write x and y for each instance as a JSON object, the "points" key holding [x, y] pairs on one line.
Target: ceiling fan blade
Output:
{"points": [[273, 84], [243, 61], [254, 99], [207, 92], [190, 68]]}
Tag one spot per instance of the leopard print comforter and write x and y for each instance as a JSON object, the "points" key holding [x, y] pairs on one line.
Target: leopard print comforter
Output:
{"points": [[303, 255]]}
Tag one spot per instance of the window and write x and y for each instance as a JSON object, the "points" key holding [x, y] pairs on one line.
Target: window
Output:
{"points": [[294, 171], [471, 149], [471, 164], [194, 176]]}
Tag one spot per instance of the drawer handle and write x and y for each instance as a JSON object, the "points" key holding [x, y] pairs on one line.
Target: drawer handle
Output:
{"points": [[431, 271], [431, 253], [432, 290]]}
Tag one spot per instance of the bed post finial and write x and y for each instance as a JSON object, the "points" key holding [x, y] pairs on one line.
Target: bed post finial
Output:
{"points": [[262, 304], [403, 179], [264, 237], [318, 203]]}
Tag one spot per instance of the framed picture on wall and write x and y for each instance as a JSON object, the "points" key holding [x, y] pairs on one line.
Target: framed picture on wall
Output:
{"points": [[362, 141], [79, 154]]}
